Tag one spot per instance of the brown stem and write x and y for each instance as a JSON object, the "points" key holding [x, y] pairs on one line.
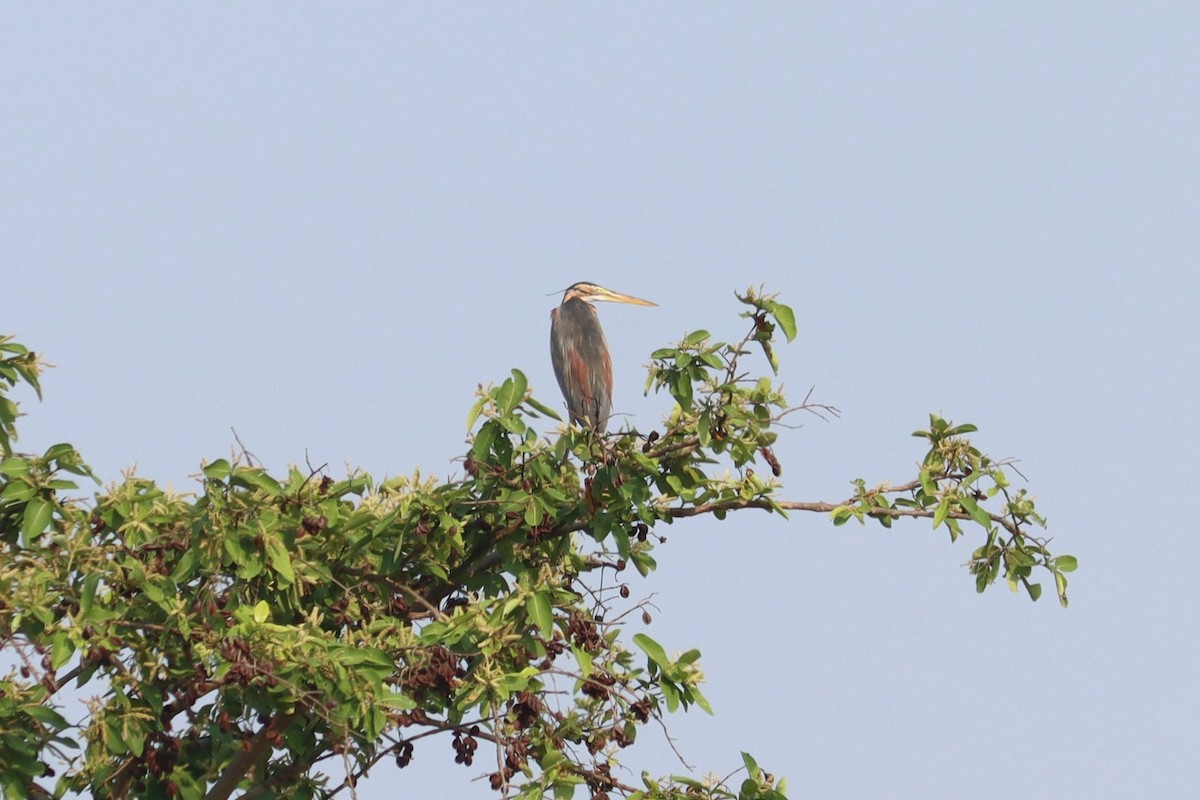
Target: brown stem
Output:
{"points": [[243, 761], [820, 507], [290, 772]]}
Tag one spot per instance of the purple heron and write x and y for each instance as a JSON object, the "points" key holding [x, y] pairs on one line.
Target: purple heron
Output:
{"points": [[580, 353]]}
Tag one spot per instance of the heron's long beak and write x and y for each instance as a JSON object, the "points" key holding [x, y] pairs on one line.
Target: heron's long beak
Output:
{"points": [[616, 297]]}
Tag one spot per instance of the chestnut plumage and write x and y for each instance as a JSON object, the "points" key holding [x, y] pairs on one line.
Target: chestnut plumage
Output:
{"points": [[580, 353]]}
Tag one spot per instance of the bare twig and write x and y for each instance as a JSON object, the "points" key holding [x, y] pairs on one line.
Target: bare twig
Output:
{"points": [[251, 459]]}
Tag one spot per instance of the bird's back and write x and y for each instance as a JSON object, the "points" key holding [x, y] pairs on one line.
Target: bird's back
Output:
{"points": [[581, 363]]}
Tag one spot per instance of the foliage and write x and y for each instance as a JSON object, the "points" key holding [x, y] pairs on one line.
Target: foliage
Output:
{"points": [[239, 638]]}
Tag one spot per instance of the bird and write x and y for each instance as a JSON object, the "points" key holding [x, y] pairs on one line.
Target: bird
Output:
{"points": [[580, 353]]}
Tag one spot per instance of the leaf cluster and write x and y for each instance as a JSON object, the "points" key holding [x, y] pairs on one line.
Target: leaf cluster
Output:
{"points": [[242, 636], [954, 485]]}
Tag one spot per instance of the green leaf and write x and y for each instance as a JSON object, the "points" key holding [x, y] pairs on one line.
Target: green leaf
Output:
{"points": [[751, 765], [38, 512], [14, 466], [939, 514], [541, 613], [584, 659], [533, 514], [61, 649], [520, 384], [542, 409], [681, 390], [262, 612], [652, 649], [397, 701], [18, 490], [1066, 563], [671, 695], [476, 410], [927, 484], [218, 470], [643, 562], [1060, 584], [88, 594], [482, 445], [255, 478], [769, 352], [281, 562], [503, 395], [694, 338], [185, 565], [1035, 590], [704, 428], [135, 739], [972, 508], [154, 592], [785, 317], [841, 515], [366, 655], [47, 716], [955, 528], [62, 450]]}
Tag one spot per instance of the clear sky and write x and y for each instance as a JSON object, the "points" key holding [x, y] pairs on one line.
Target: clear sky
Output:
{"points": [[323, 225]]}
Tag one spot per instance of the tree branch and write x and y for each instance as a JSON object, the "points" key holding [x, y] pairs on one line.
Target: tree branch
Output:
{"points": [[243, 761], [822, 507]]}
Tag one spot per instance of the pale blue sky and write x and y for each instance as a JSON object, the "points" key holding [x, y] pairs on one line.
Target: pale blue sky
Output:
{"points": [[324, 225]]}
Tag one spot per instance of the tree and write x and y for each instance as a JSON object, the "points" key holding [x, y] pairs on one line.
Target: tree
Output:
{"points": [[242, 635]]}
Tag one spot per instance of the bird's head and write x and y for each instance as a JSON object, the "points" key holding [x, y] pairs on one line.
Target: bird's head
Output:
{"points": [[591, 293]]}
